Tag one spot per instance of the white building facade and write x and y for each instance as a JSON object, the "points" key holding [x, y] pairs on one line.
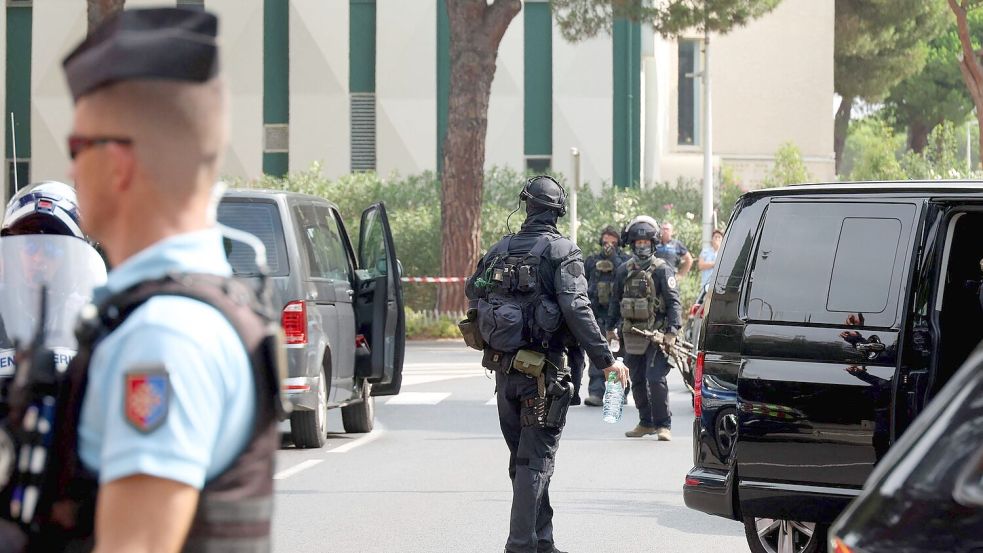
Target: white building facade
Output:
{"points": [[357, 85]]}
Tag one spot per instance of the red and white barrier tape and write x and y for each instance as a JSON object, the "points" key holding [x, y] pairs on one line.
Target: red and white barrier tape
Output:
{"points": [[433, 280]]}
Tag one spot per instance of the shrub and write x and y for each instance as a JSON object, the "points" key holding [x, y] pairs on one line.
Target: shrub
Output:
{"points": [[413, 205]]}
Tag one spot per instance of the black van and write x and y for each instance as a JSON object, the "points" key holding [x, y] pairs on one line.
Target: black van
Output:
{"points": [[836, 313]]}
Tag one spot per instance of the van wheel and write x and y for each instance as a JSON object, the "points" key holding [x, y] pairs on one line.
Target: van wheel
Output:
{"points": [[359, 418], [309, 429], [769, 535]]}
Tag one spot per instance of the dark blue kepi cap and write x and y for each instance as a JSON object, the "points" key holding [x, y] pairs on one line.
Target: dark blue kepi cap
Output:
{"points": [[162, 43]]}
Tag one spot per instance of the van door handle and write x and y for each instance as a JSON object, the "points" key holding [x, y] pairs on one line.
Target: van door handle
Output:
{"points": [[871, 347], [351, 293]]}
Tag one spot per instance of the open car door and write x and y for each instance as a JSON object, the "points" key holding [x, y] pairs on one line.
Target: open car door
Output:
{"points": [[381, 318]]}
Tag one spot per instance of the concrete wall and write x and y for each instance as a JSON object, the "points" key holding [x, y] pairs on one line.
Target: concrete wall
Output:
{"points": [[319, 99], [406, 86], [582, 107], [504, 140], [241, 42], [59, 25], [772, 83]]}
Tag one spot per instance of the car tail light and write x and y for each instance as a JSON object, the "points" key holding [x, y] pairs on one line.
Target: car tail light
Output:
{"points": [[698, 385], [694, 310], [841, 547], [692, 482], [294, 322]]}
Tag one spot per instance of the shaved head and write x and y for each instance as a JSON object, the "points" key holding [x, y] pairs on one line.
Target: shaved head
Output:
{"points": [[179, 130]]}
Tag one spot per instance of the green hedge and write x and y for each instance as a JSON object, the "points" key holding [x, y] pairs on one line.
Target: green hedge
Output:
{"points": [[413, 204]]}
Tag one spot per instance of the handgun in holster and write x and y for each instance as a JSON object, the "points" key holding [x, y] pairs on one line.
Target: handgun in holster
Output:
{"points": [[559, 393]]}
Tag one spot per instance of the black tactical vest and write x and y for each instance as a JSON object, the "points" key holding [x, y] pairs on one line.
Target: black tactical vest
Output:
{"points": [[234, 508], [641, 305], [513, 312]]}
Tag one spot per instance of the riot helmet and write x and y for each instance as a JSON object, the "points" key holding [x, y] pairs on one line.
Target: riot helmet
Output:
{"points": [[48, 207], [642, 227], [544, 192]]}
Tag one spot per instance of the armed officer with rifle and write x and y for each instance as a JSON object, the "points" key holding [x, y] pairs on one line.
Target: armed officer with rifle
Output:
{"points": [[528, 294], [162, 433], [645, 303]]}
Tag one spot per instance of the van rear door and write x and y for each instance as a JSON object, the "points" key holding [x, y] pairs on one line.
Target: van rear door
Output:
{"points": [[824, 311]]}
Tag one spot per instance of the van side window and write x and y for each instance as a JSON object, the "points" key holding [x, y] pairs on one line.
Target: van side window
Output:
{"points": [[863, 265], [325, 251], [818, 262]]}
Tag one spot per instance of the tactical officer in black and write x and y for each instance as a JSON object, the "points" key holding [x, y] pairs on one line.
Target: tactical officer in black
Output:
{"points": [[600, 269], [528, 295], [645, 298]]}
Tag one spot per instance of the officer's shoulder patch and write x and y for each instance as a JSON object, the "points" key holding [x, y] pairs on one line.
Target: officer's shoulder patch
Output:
{"points": [[146, 397], [671, 281], [575, 269]]}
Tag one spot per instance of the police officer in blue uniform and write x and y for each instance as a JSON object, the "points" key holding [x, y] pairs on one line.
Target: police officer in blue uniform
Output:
{"points": [[167, 438], [530, 295]]}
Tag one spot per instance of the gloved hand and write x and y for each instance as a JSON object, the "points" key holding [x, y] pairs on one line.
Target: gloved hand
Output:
{"points": [[669, 340], [612, 335]]}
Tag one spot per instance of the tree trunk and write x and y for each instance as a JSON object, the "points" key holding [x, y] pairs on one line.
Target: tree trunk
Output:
{"points": [[970, 65], [841, 125], [918, 133], [99, 10], [476, 30]]}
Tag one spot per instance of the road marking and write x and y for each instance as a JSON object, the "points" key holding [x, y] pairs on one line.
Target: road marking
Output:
{"points": [[418, 398], [368, 438], [414, 379], [299, 467]]}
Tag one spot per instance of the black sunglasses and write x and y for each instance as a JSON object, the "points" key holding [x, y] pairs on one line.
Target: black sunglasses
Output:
{"points": [[78, 144]]}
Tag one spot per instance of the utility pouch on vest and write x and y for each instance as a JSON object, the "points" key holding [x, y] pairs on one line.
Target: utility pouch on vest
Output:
{"points": [[633, 342], [469, 329], [501, 325], [604, 266], [496, 361], [636, 309], [529, 362], [604, 293]]}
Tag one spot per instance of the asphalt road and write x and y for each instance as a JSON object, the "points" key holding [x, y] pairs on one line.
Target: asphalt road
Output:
{"points": [[433, 476]]}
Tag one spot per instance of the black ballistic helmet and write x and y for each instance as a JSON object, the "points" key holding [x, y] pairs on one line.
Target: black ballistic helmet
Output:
{"points": [[642, 227], [544, 191], [47, 207], [608, 231]]}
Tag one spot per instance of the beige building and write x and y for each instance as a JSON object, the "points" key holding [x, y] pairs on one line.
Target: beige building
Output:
{"points": [[363, 84]]}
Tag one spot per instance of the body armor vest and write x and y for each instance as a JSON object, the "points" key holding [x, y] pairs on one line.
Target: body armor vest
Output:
{"points": [[514, 313], [235, 507], [641, 305], [604, 274]]}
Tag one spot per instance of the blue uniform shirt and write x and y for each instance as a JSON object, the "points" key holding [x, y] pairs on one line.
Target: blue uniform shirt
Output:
{"points": [[202, 424]]}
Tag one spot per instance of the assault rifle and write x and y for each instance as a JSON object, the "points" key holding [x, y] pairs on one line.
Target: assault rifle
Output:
{"points": [[680, 352]]}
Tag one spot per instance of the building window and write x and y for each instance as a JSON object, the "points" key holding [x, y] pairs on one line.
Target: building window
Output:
{"points": [[538, 164], [538, 85], [688, 108], [361, 84]]}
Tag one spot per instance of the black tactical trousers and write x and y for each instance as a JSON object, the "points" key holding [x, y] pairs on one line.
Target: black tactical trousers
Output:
{"points": [[649, 387], [532, 452]]}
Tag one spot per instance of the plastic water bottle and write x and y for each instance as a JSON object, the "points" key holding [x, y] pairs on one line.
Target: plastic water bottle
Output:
{"points": [[614, 395]]}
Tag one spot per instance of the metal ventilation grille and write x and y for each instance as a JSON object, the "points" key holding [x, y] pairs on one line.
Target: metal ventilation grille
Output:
{"points": [[19, 3], [191, 3], [363, 131], [276, 139]]}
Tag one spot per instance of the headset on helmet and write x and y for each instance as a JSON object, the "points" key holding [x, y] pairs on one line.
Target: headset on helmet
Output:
{"points": [[608, 230], [48, 207], [628, 236], [559, 204]]}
